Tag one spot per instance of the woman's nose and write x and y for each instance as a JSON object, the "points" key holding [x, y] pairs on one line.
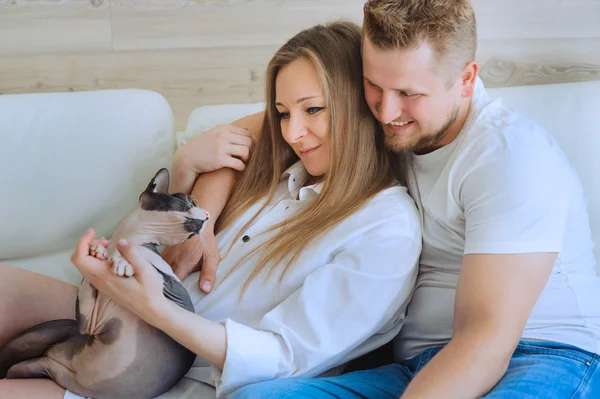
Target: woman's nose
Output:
{"points": [[296, 129]]}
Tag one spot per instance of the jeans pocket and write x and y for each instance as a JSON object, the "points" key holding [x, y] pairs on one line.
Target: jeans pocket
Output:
{"points": [[554, 349]]}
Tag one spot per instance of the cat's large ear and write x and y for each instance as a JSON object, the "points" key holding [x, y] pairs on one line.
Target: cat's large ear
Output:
{"points": [[159, 183]]}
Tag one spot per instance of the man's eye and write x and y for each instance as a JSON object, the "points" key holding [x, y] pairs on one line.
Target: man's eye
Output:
{"points": [[314, 110], [407, 94]]}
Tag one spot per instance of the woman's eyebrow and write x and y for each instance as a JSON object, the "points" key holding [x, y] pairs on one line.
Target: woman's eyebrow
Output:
{"points": [[299, 100]]}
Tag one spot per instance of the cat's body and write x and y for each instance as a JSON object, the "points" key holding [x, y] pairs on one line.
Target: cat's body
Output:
{"points": [[108, 352]]}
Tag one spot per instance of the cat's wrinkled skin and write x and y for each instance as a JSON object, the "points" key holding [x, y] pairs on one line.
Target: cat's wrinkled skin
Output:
{"points": [[108, 352]]}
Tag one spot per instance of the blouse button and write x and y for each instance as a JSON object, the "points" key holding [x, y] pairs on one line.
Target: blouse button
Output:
{"points": [[246, 238]]}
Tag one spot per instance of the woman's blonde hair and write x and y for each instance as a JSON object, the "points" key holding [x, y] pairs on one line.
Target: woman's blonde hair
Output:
{"points": [[358, 161]]}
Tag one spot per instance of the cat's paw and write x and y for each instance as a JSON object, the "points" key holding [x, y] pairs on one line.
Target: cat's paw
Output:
{"points": [[98, 251], [121, 267]]}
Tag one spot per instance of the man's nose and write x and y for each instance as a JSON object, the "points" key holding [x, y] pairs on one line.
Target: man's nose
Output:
{"points": [[390, 108]]}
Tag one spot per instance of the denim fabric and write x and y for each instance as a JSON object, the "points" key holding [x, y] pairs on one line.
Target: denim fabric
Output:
{"points": [[538, 370]]}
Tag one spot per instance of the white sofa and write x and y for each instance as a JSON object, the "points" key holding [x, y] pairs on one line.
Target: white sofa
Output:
{"points": [[70, 161]]}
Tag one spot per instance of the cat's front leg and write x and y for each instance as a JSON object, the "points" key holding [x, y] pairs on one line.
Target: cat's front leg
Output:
{"points": [[98, 251], [120, 265]]}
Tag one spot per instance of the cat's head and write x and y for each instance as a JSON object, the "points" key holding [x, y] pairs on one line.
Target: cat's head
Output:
{"points": [[168, 218]]}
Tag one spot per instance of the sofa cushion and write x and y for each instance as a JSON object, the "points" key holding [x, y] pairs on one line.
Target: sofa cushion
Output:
{"points": [[71, 161]]}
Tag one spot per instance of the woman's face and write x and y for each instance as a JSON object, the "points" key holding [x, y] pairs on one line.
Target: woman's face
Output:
{"points": [[304, 115]]}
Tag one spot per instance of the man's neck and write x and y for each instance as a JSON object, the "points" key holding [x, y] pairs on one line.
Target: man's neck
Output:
{"points": [[455, 129]]}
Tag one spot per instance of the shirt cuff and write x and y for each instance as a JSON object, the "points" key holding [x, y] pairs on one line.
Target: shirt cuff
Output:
{"points": [[252, 356]]}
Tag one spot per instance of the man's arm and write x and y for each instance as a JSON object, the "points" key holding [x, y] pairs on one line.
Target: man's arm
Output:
{"points": [[516, 204], [494, 298], [185, 171]]}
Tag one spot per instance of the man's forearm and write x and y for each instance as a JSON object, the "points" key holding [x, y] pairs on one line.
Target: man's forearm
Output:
{"points": [[464, 369]]}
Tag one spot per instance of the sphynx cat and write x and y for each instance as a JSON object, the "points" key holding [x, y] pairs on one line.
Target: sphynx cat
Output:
{"points": [[107, 351]]}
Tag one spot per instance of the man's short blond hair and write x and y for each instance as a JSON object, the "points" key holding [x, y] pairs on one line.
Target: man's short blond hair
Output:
{"points": [[447, 25]]}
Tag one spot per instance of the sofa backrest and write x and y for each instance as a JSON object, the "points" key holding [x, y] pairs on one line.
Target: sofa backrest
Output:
{"points": [[70, 161]]}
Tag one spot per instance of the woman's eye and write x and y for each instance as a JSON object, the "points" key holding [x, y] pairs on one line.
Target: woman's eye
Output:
{"points": [[284, 115], [407, 94], [314, 110]]}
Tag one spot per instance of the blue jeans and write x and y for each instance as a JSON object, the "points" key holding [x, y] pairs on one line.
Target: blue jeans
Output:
{"points": [[537, 370]]}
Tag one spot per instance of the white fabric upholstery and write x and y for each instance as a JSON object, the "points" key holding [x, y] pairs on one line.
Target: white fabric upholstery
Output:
{"points": [[71, 161]]}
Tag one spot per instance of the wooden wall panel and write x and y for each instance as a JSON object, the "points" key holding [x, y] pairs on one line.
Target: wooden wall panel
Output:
{"points": [[199, 52], [537, 19], [50, 26], [538, 61], [159, 24]]}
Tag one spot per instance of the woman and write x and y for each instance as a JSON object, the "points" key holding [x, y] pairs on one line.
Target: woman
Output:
{"points": [[320, 245]]}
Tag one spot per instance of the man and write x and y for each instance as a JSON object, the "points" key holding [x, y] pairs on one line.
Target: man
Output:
{"points": [[507, 302]]}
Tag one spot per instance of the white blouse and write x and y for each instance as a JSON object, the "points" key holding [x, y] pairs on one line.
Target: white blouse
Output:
{"points": [[345, 296]]}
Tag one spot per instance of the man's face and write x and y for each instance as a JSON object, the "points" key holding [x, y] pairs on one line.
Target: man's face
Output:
{"points": [[410, 99]]}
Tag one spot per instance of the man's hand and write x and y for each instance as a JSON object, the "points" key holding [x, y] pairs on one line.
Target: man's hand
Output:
{"points": [[185, 258], [224, 146]]}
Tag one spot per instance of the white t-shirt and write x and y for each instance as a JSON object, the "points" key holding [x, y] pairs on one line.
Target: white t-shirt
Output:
{"points": [[503, 186], [345, 296]]}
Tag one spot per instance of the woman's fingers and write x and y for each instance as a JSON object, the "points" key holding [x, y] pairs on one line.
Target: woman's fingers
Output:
{"points": [[83, 245], [209, 264]]}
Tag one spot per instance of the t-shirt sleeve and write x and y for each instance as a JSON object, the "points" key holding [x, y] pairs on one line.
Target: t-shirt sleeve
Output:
{"points": [[516, 197]]}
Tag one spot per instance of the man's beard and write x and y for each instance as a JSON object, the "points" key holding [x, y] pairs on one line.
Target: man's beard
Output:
{"points": [[426, 142]]}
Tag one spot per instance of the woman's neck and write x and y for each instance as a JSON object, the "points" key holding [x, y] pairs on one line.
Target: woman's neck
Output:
{"points": [[313, 180]]}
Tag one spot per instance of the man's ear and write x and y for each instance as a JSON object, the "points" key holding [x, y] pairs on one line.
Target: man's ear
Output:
{"points": [[469, 78]]}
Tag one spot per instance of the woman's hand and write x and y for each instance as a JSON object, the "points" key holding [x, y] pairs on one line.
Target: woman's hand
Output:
{"points": [[142, 294], [185, 258]]}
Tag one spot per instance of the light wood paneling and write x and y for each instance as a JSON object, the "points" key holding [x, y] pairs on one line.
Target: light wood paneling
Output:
{"points": [[199, 52], [187, 78], [537, 19], [538, 61], [158, 24], [42, 26]]}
